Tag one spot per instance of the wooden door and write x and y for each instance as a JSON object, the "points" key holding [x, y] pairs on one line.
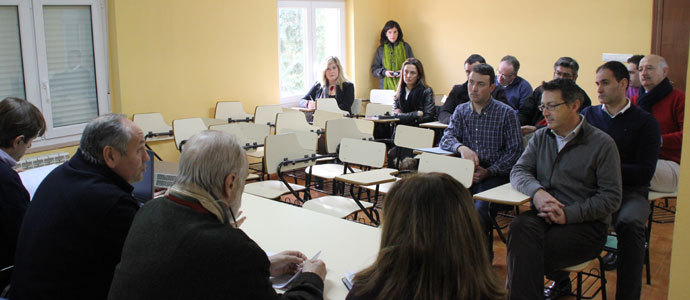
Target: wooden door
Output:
{"points": [[670, 36]]}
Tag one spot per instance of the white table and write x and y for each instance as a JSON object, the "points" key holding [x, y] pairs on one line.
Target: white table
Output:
{"points": [[345, 245]]}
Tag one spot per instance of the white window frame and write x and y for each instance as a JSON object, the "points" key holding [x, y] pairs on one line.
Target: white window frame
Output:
{"points": [[310, 48], [34, 62]]}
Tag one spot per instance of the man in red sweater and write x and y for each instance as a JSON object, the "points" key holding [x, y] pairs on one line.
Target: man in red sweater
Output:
{"points": [[667, 104]]}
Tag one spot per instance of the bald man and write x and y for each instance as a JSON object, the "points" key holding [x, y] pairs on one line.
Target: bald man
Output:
{"points": [[667, 104]]}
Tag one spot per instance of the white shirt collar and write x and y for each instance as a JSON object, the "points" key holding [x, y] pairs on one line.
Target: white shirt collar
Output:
{"points": [[561, 141], [627, 105]]}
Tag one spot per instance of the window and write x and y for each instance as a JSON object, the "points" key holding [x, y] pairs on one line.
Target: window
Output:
{"points": [[53, 53], [308, 32]]}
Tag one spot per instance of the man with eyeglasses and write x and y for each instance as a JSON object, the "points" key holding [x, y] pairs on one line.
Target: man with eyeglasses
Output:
{"points": [[529, 116], [458, 94], [516, 87], [638, 138], [572, 172], [487, 132]]}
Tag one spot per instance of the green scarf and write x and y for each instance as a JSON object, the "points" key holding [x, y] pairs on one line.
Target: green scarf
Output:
{"points": [[393, 58]]}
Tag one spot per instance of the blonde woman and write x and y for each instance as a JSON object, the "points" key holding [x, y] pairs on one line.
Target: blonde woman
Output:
{"points": [[333, 84]]}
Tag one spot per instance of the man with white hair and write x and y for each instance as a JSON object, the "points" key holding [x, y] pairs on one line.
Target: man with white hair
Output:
{"points": [[73, 231], [188, 245], [667, 104]]}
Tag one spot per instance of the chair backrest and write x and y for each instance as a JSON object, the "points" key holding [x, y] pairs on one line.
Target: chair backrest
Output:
{"points": [[152, 123], [459, 168], [439, 99], [361, 152], [231, 110], [293, 121], [374, 109], [246, 133], [356, 106], [183, 129], [413, 137], [281, 147], [365, 126], [266, 114], [338, 129], [329, 104], [322, 116], [381, 96]]}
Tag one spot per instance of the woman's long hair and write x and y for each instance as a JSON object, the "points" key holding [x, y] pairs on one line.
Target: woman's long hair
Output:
{"points": [[390, 24], [420, 76], [432, 245], [341, 75]]}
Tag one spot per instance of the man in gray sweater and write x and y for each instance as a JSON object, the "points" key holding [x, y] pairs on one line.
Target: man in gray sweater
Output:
{"points": [[572, 172]]}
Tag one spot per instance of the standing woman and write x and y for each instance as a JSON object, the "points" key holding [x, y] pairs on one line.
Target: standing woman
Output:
{"points": [[333, 85], [390, 55], [432, 246], [414, 100]]}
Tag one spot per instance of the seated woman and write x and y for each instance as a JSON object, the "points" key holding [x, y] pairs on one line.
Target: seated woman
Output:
{"points": [[432, 246], [414, 100], [333, 85], [187, 244]]}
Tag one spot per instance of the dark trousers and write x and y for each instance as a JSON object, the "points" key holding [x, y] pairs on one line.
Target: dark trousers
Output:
{"points": [[536, 248], [482, 207], [630, 222]]}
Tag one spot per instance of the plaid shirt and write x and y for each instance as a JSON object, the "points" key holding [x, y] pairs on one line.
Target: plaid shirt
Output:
{"points": [[494, 135]]}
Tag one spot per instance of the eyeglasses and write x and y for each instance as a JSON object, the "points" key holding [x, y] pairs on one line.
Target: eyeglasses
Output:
{"points": [[549, 107]]}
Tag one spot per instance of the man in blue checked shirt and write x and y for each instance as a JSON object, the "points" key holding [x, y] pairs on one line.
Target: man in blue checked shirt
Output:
{"points": [[487, 132]]}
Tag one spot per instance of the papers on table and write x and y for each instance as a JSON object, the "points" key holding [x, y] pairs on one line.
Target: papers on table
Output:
{"points": [[32, 178], [349, 279], [283, 281]]}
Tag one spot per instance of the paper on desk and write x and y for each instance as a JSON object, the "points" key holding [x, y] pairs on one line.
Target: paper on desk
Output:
{"points": [[32, 178], [283, 281], [435, 150], [349, 279]]}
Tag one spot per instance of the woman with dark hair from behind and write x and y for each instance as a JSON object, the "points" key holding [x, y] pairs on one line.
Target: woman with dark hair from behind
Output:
{"points": [[390, 55], [414, 100], [432, 246], [333, 84]]}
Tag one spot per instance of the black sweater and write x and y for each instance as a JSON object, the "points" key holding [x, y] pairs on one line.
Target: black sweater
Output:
{"points": [[72, 234], [637, 137]]}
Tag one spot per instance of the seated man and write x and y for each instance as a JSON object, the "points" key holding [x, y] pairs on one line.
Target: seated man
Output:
{"points": [[458, 94], [485, 131], [637, 138], [635, 84], [73, 231], [20, 124], [188, 245], [667, 105], [516, 87], [571, 170], [529, 115]]}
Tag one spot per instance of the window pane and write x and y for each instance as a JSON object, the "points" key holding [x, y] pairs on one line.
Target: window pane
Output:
{"points": [[292, 35], [327, 36], [69, 49], [11, 69]]}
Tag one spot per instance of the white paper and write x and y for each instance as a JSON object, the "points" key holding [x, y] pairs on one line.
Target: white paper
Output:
{"points": [[32, 178], [283, 281]]}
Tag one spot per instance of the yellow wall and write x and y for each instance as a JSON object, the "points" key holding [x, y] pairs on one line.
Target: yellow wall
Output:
{"points": [[680, 260], [179, 57], [365, 20], [444, 33]]}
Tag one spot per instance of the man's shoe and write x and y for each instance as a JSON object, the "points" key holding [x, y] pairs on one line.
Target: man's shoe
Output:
{"points": [[557, 290], [610, 261]]}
